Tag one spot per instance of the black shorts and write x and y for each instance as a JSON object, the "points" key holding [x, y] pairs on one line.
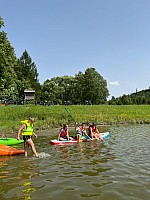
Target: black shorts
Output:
{"points": [[26, 137], [65, 137]]}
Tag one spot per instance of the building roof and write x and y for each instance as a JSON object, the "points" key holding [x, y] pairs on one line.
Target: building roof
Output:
{"points": [[29, 91]]}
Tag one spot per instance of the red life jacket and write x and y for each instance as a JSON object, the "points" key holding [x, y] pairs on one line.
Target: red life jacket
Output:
{"points": [[93, 128], [83, 129], [63, 132]]}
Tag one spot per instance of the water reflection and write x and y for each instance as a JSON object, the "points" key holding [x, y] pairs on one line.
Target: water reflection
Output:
{"points": [[18, 183], [3, 159], [3, 172]]}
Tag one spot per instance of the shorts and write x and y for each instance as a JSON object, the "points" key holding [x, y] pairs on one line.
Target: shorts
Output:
{"points": [[78, 133], [26, 137], [65, 137]]}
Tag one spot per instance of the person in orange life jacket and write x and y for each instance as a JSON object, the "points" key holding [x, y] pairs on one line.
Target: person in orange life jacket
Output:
{"points": [[80, 131], [93, 132], [63, 133], [27, 131]]}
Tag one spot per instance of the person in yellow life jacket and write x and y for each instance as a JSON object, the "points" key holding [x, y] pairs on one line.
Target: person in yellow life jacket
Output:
{"points": [[27, 132]]}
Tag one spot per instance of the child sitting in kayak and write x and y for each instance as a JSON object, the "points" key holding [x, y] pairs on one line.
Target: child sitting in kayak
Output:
{"points": [[93, 132], [63, 134], [81, 133]]}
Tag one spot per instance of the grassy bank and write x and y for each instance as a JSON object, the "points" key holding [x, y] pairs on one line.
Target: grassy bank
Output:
{"points": [[54, 116]]}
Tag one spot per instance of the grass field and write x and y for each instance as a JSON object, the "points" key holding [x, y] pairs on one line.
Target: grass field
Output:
{"points": [[48, 117]]}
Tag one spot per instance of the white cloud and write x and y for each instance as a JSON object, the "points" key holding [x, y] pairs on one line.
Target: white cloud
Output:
{"points": [[114, 83]]}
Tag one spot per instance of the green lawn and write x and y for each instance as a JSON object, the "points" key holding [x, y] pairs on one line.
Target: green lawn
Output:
{"points": [[54, 116]]}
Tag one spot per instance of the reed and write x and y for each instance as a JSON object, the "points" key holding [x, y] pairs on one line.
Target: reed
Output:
{"points": [[48, 117]]}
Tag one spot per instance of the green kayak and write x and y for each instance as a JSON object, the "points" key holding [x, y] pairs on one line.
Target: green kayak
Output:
{"points": [[10, 141]]}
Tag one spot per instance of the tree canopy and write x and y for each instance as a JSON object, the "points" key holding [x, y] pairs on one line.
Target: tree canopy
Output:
{"points": [[81, 89], [16, 74], [92, 87]]}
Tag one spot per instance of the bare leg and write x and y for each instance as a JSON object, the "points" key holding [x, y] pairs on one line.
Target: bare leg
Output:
{"points": [[30, 142], [26, 149], [78, 138], [61, 138], [98, 136], [92, 136]]}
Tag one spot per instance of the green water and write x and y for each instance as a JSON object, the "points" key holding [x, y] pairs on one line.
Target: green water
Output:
{"points": [[116, 169]]}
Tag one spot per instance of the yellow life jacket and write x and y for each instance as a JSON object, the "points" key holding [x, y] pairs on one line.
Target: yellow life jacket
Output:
{"points": [[29, 128]]}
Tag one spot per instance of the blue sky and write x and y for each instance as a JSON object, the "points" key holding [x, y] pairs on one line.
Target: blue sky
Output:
{"points": [[64, 37]]}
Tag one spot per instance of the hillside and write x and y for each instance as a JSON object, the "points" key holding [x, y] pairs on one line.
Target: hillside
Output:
{"points": [[137, 98]]}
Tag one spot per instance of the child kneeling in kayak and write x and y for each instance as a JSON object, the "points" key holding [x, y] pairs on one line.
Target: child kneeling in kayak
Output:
{"points": [[63, 134]]}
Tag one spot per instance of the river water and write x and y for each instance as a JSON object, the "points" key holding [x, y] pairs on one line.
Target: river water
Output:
{"points": [[116, 169]]}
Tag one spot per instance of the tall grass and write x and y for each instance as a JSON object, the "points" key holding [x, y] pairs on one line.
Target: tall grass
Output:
{"points": [[55, 116]]}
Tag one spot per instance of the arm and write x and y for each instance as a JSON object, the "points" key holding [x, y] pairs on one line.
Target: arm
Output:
{"points": [[67, 135], [87, 135], [91, 132], [35, 135], [78, 129], [20, 130], [59, 134], [97, 131]]}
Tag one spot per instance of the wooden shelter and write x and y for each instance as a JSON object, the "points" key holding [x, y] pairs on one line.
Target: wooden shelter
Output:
{"points": [[29, 94]]}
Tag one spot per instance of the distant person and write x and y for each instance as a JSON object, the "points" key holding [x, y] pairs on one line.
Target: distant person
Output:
{"points": [[27, 132], [81, 132], [63, 133], [94, 132]]}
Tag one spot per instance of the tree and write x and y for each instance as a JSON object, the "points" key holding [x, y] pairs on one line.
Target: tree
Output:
{"points": [[126, 100], [59, 89], [112, 101], [28, 68], [1, 22], [8, 60], [91, 86], [16, 75], [79, 88], [27, 74]]}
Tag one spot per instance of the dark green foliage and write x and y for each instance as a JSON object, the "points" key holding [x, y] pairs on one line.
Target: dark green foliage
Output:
{"points": [[137, 98], [27, 74], [15, 74], [59, 89], [8, 61], [91, 87], [87, 87]]}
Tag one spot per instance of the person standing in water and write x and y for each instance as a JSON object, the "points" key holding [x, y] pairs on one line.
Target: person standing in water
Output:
{"points": [[27, 132]]}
